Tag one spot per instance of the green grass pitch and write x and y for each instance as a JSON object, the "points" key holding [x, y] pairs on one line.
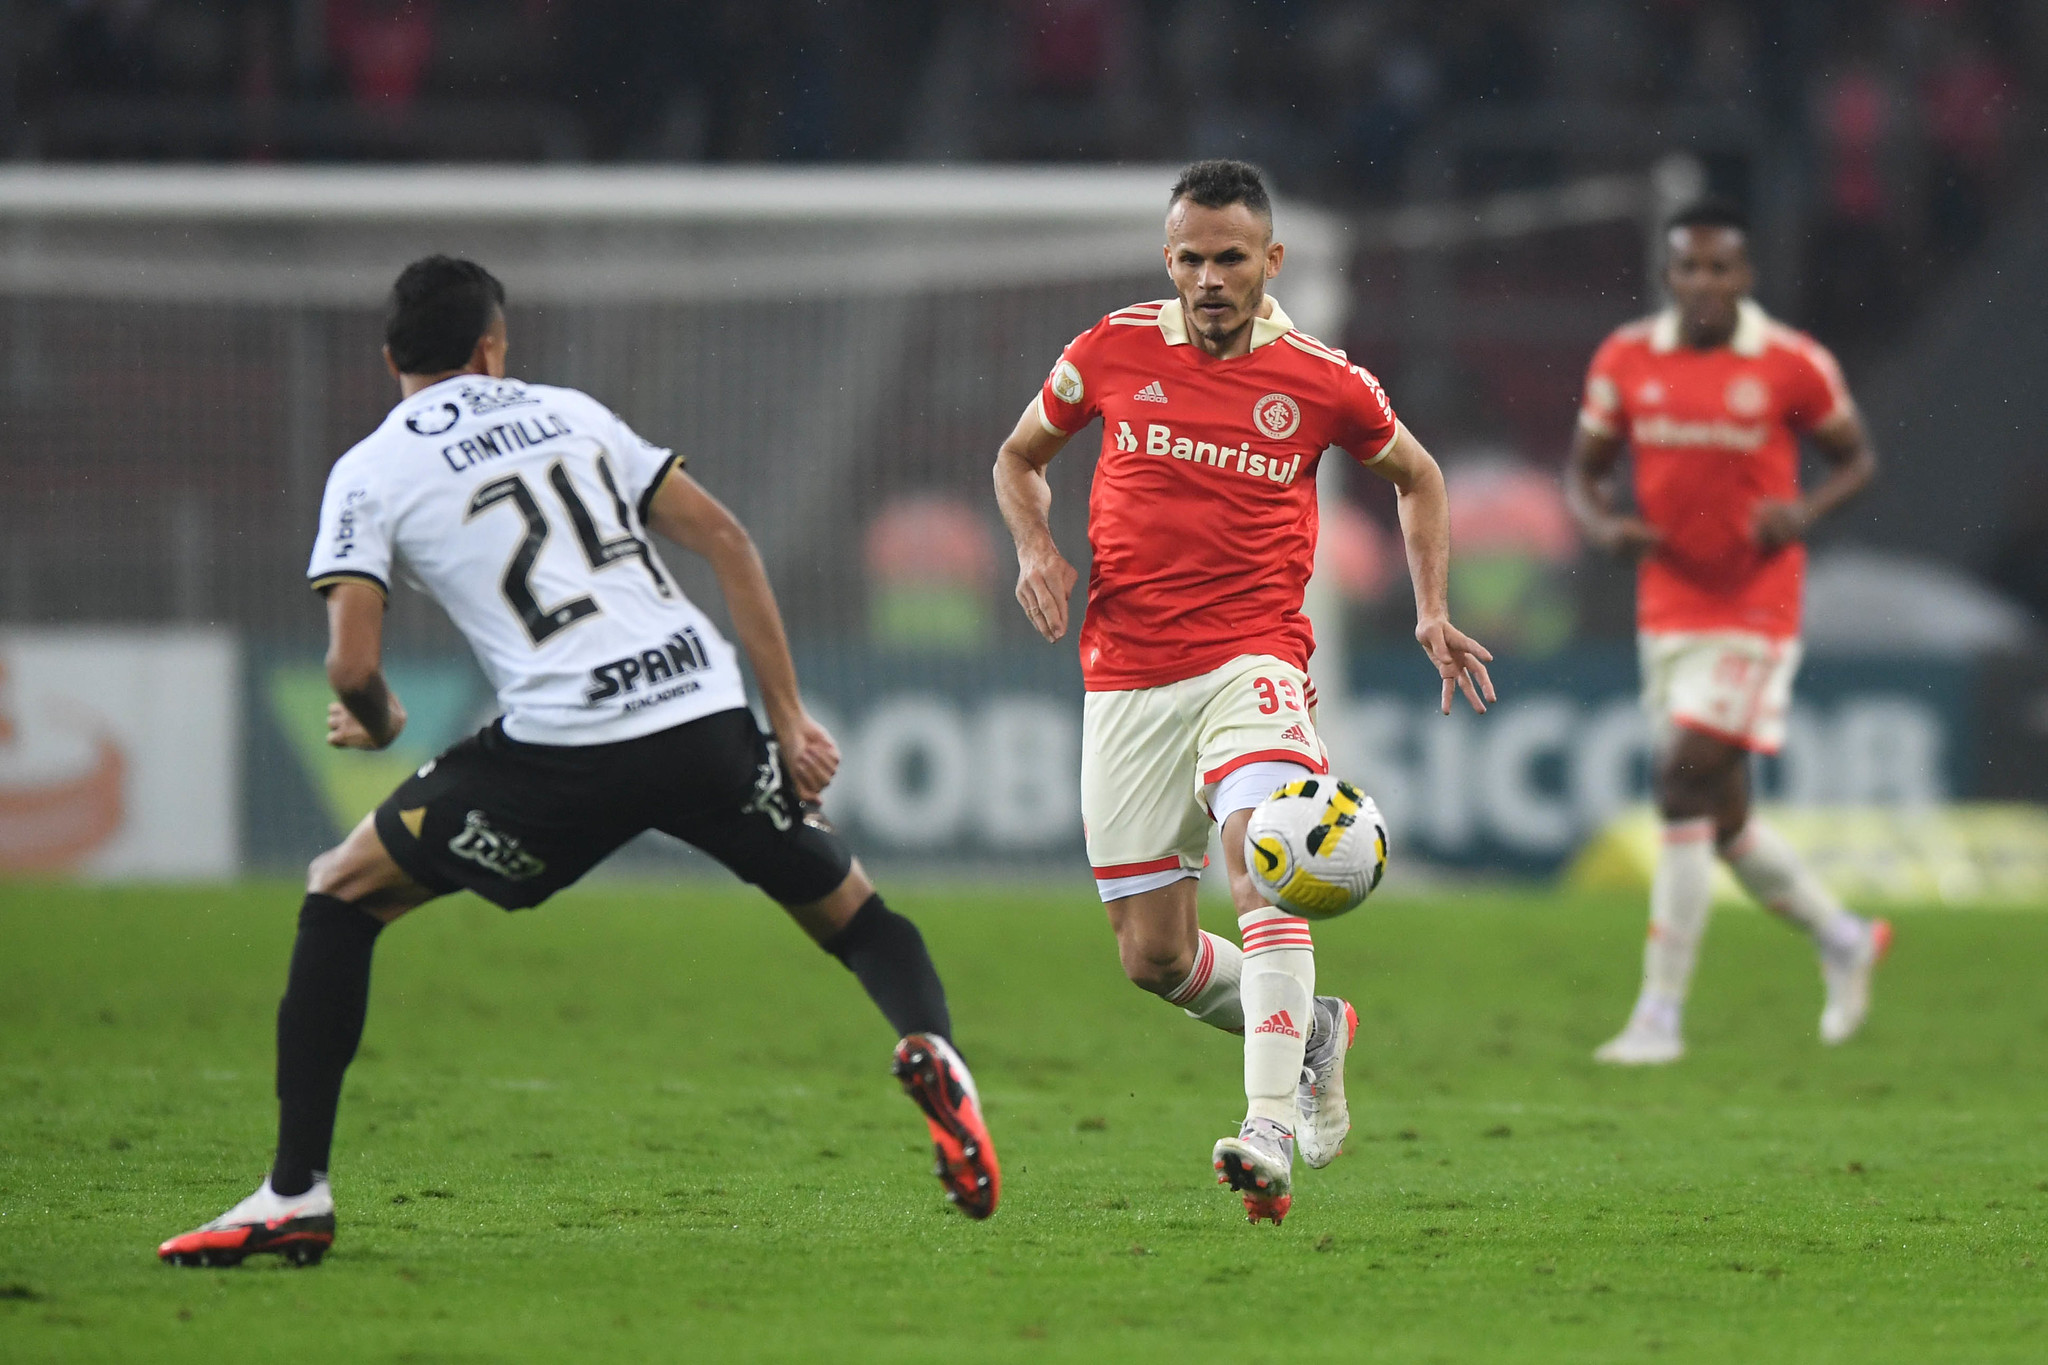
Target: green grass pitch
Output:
{"points": [[649, 1124]]}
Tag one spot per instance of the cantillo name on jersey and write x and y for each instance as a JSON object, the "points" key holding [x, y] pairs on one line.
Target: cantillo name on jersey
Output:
{"points": [[522, 510], [496, 441]]}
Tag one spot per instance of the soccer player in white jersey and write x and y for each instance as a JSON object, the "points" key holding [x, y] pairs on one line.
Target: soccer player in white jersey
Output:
{"points": [[1194, 651], [524, 511]]}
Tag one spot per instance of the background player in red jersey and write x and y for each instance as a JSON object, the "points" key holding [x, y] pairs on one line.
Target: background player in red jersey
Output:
{"points": [[1194, 650], [1713, 396]]}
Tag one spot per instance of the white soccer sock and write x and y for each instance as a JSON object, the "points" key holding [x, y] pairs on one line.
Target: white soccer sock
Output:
{"points": [[1210, 993], [1278, 991], [1768, 869], [1681, 894]]}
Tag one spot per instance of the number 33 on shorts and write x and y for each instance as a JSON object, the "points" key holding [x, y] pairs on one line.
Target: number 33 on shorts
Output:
{"points": [[1274, 694]]}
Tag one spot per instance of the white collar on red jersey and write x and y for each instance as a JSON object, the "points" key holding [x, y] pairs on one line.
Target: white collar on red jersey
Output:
{"points": [[1751, 324], [1274, 325]]}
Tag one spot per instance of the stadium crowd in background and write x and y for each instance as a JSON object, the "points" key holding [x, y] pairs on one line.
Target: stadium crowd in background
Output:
{"points": [[1875, 142], [1901, 115]]}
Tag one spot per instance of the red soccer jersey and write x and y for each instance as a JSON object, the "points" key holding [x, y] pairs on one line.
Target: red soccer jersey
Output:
{"points": [[1714, 433], [1202, 517]]}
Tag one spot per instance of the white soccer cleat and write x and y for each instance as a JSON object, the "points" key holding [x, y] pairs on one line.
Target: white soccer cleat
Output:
{"points": [[1259, 1164], [1325, 1115], [298, 1227], [1847, 977], [1641, 1044]]}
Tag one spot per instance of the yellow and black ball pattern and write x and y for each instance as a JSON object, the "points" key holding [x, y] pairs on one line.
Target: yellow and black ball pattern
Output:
{"points": [[1316, 847]]}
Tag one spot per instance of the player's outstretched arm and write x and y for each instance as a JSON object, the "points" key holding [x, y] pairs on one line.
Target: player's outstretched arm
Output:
{"points": [[1844, 444], [1426, 530], [1588, 491], [1044, 578], [700, 523], [368, 714]]}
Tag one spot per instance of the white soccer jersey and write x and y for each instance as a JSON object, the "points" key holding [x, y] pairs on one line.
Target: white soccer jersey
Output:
{"points": [[522, 510]]}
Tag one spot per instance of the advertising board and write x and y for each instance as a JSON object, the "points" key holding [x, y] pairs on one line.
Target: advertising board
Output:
{"points": [[977, 759], [120, 753]]}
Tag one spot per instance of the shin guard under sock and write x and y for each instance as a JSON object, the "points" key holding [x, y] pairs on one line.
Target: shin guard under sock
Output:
{"points": [[887, 953], [1770, 870], [319, 1024], [1210, 993], [1278, 992], [1681, 895]]}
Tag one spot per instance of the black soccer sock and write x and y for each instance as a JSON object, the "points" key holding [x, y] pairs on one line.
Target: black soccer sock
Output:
{"points": [[887, 953], [319, 1023]]}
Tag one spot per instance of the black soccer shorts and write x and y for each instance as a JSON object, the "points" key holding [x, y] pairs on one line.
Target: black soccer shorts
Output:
{"points": [[516, 823]]}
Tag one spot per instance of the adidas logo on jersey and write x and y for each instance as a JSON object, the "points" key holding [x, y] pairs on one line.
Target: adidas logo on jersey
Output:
{"points": [[1295, 734], [1151, 393], [1281, 1023]]}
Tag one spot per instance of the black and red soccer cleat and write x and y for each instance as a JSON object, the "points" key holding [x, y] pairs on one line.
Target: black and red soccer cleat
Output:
{"points": [[297, 1227], [933, 1075]]}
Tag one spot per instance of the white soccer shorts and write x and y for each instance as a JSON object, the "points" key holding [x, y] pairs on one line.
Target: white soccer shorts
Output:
{"points": [[1732, 684], [1151, 759]]}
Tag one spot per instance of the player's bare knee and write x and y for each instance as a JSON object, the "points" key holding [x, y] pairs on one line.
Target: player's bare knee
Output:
{"points": [[1157, 977], [324, 874], [822, 919], [1155, 965], [1700, 776], [1686, 788], [1678, 797]]}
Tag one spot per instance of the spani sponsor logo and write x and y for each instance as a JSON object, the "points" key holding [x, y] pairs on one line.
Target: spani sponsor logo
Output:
{"points": [[679, 655]]}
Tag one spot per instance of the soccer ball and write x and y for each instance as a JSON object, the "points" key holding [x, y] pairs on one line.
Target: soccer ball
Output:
{"points": [[1316, 847]]}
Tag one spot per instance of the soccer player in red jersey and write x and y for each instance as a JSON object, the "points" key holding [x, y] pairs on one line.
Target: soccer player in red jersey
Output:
{"points": [[1713, 396], [1194, 650]]}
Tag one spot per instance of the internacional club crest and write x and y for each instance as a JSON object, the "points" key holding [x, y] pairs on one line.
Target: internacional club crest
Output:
{"points": [[1747, 396], [1276, 416]]}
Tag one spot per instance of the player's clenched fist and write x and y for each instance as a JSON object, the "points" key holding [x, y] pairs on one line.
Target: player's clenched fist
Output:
{"points": [[1460, 661], [344, 731], [1778, 522], [1625, 537], [812, 756], [1044, 582]]}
